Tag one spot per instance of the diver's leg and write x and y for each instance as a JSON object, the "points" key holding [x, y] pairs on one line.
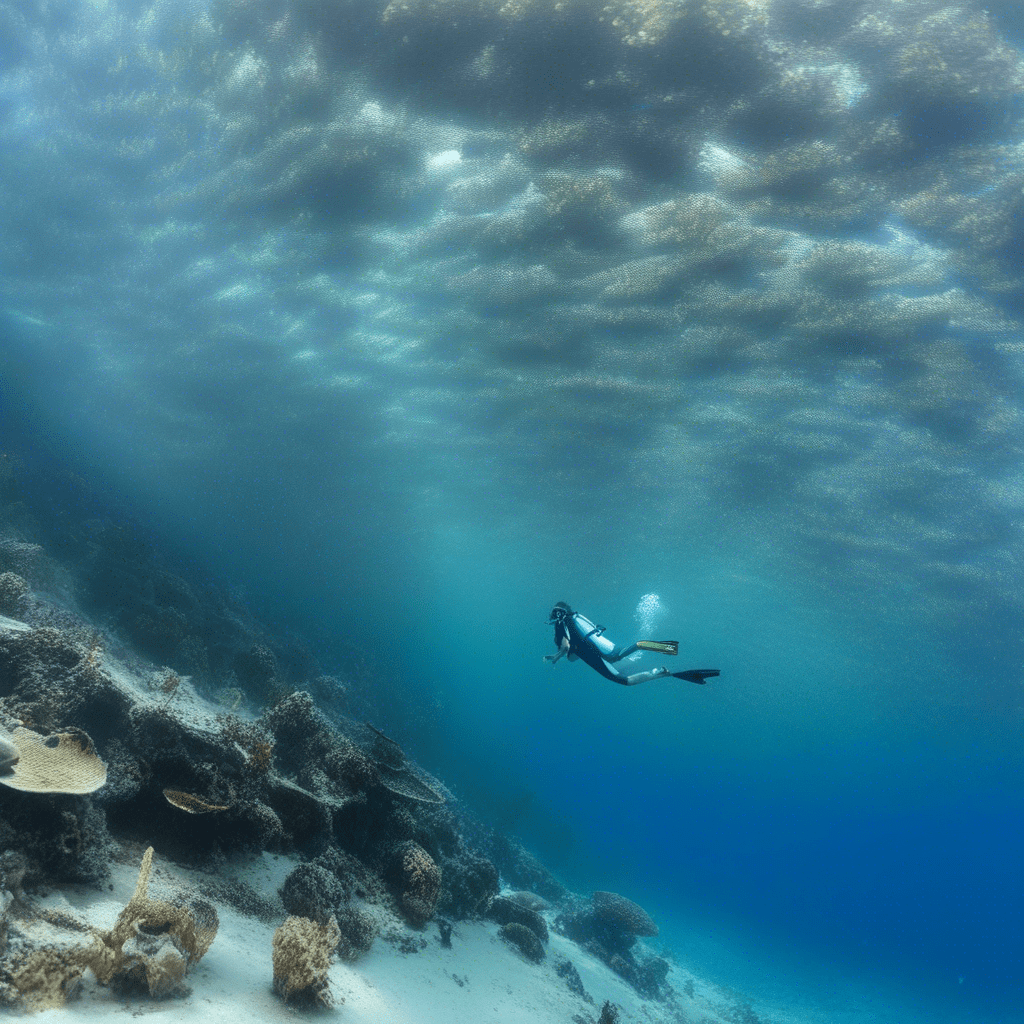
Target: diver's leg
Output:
{"points": [[641, 677], [620, 652], [693, 675], [659, 646]]}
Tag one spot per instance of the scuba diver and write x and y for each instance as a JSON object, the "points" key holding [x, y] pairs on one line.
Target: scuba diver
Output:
{"points": [[578, 637]]}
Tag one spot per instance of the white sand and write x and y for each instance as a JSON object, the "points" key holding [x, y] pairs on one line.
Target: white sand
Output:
{"points": [[480, 980]]}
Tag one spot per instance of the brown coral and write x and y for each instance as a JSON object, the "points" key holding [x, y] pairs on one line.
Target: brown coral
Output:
{"points": [[302, 956], [152, 945], [416, 880]]}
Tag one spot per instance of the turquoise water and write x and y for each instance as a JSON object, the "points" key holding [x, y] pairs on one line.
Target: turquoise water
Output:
{"points": [[411, 324]]}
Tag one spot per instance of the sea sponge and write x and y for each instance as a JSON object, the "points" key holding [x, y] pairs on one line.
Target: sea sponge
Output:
{"points": [[416, 881], [524, 940], [302, 955], [47, 976]]}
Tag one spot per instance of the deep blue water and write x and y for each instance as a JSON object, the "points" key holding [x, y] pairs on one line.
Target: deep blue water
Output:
{"points": [[413, 324]]}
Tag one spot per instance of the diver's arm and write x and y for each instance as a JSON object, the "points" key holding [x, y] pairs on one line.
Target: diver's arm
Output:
{"points": [[563, 649]]}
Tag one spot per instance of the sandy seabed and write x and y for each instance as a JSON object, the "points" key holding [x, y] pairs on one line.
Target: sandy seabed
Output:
{"points": [[479, 980]]}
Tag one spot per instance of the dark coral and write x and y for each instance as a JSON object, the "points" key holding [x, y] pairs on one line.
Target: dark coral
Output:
{"points": [[647, 975], [623, 914], [313, 892], [608, 927], [524, 939], [651, 977], [256, 668], [52, 674], [349, 766], [357, 932], [566, 970], [64, 838], [301, 732], [355, 878], [469, 882], [508, 911], [415, 880]]}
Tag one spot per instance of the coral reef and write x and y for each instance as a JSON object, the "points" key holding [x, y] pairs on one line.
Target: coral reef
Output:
{"points": [[381, 835]]}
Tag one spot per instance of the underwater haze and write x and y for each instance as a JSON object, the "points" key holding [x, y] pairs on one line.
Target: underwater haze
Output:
{"points": [[706, 317]]}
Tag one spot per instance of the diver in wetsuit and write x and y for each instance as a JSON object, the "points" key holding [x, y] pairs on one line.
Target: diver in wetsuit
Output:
{"points": [[578, 637]]}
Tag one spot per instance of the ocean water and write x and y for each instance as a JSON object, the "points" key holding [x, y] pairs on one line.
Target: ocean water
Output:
{"points": [[412, 319]]}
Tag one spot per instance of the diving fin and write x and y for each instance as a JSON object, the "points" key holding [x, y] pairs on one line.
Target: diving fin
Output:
{"points": [[696, 675], [661, 646]]}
